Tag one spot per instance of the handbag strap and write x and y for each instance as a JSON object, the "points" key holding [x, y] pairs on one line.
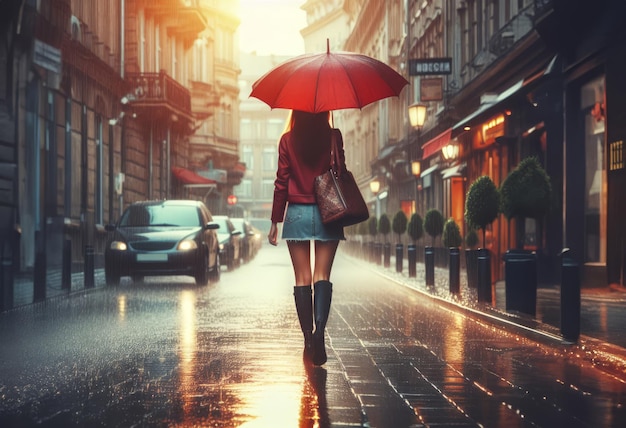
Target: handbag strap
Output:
{"points": [[335, 161]]}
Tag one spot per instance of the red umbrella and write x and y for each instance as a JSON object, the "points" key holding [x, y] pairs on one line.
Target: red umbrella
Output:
{"points": [[328, 81]]}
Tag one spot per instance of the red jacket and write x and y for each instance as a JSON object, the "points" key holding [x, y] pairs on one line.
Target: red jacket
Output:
{"points": [[294, 182]]}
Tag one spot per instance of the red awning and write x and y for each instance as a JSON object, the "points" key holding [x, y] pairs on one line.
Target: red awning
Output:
{"points": [[434, 145], [187, 176]]}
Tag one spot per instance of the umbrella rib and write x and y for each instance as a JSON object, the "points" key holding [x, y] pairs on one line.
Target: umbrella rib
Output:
{"points": [[356, 94]]}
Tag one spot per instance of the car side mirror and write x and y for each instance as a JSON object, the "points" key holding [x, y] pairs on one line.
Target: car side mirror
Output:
{"points": [[211, 226], [236, 232]]}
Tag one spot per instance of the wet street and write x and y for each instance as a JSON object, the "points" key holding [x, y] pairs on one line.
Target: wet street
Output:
{"points": [[168, 353]]}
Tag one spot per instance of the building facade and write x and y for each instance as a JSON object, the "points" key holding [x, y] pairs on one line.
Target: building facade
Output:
{"points": [[97, 113]]}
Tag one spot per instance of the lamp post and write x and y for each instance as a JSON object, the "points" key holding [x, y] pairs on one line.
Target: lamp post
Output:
{"points": [[375, 188], [417, 117]]}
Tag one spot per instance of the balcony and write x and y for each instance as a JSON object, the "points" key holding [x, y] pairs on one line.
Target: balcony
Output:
{"points": [[183, 18], [158, 95]]}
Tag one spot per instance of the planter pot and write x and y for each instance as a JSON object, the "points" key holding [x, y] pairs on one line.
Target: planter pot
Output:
{"points": [[412, 260], [387, 255], [483, 285], [378, 252], [471, 267], [429, 264], [454, 267], [520, 275], [399, 251]]}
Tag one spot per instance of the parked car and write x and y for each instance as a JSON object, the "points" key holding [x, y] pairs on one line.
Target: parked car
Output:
{"points": [[173, 237], [229, 240], [250, 239]]}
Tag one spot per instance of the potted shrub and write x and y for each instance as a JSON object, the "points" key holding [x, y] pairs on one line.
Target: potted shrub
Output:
{"points": [[524, 193], [384, 227], [481, 209], [471, 258], [399, 227], [452, 240], [415, 230], [433, 225]]}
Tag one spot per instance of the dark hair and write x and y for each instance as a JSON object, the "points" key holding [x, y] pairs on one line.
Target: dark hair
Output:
{"points": [[310, 135]]}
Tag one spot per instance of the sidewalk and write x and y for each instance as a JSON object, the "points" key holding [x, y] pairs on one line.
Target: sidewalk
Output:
{"points": [[602, 338]]}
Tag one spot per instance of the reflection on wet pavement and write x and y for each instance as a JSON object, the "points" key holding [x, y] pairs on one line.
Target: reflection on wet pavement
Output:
{"points": [[230, 355]]}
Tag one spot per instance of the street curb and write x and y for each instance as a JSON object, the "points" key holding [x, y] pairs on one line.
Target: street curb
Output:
{"points": [[604, 356]]}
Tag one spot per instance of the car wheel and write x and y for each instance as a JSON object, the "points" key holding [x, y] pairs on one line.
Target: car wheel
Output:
{"points": [[112, 277], [202, 272], [217, 269]]}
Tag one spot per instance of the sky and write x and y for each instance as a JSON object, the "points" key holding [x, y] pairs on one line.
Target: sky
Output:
{"points": [[272, 27]]}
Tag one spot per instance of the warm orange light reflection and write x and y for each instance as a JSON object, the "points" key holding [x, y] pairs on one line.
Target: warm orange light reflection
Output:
{"points": [[187, 349], [121, 307]]}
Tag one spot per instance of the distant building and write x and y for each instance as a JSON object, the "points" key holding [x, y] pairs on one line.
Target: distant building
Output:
{"points": [[260, 131]]}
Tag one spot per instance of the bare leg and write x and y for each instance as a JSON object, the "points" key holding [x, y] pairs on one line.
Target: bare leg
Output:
{"points": [[300, 252], [324, 256]]}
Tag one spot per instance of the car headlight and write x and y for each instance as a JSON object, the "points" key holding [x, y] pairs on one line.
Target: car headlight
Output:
{"points": [[187, 244], [118, 246]]}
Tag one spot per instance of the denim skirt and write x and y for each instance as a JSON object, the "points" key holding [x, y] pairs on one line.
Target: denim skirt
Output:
{"points": [[304, 223]]}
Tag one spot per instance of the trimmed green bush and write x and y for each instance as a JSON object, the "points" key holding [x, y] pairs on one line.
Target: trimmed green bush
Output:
{"points": [[433, 223], [471, 239], [415, 229], [482, 204], [399, 224], [526, 193], [384, 226], [451, 234], [372, 226]]}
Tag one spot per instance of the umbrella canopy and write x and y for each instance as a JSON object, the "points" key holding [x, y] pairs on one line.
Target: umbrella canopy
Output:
{"points": [[328, 81]]}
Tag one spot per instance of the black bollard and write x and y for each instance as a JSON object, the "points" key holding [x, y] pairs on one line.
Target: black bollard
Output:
{"points": [[455, 269], [89, 273], [429, 264], [570, 298], [484, 276], [387, 255], [66, 273], [411, 254], [399, 251], [6, 283]]}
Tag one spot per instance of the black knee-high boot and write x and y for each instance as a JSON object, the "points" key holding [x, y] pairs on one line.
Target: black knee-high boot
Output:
{"points": [[321, 299], [304, 307]]}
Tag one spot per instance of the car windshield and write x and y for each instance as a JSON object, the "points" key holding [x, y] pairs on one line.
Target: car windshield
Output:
{"points": [[161, 215], [223, 229], [238, 223]]}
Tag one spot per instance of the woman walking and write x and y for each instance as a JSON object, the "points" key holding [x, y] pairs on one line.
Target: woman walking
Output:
{"points": [[303, 154]]}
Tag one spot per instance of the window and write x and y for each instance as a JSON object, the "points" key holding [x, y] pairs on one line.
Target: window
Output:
{"points": [[245, 129], [267, 189], [275, 129], [269, 159], [247, 156], [244, 190], [592, 107], [99, 216]]}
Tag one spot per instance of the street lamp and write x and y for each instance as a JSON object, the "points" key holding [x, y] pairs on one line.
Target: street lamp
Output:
{"points": [[375, 188], [417, 117], [451, 150]]}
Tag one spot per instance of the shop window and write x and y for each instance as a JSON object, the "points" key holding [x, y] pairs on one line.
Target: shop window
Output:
{"points": [[595, 204]]}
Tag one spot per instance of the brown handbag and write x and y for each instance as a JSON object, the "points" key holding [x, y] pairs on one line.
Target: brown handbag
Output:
{"points": [[338, 196]]}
